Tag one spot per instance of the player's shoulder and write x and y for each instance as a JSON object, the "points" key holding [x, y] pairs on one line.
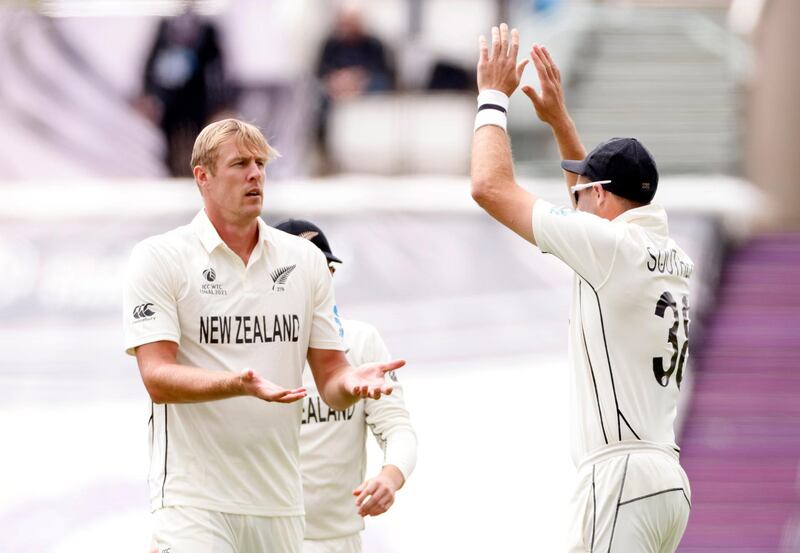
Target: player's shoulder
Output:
{"points": [[166, 246], [359, 329]]}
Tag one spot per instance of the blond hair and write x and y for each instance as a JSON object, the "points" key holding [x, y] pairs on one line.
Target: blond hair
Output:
{"points": [[206, 146]]}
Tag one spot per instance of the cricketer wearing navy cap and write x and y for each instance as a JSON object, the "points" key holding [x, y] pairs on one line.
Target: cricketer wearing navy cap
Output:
{"points": [[333, 456], [629, 321], [622, 166], [309, 231]]}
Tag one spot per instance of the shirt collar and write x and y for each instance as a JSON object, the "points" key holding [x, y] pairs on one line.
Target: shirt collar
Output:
{"points": [[210, 238], [651, 217]]}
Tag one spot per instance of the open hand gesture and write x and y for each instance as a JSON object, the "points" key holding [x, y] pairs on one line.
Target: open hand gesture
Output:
{"points": [[549, 104], [254, 385], [368, 380], [498, 68]]}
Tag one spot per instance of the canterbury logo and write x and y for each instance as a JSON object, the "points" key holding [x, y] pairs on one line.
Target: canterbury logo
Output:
{"points": [[142, 311], [280, 276], [309, 234], [210, 275]]}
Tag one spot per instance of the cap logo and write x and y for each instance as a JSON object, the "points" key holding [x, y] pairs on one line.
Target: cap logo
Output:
{"points": [[309, 234], [645, 186]]}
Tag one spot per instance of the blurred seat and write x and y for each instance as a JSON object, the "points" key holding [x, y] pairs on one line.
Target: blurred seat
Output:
{"points": [[450, 28], [402, 133], [388, 20]]}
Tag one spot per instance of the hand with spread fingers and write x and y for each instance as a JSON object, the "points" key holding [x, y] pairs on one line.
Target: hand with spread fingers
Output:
{"points": [[253, 384], [497, 67], [549, 103], [369, 379]]}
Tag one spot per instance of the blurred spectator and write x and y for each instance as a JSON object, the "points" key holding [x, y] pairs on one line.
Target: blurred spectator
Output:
{"points": [[352, 63], [184, 83]]}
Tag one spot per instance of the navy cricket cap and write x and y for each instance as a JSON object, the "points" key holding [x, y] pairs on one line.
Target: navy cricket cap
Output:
{"points": [[309, 231], [626, 163]]}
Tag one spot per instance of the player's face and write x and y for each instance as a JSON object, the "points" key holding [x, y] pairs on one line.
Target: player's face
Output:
{"points": [[236, 188]]}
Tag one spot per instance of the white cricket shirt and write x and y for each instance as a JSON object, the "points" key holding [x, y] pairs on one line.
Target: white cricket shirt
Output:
{"points": [[333, 443], [629, 323], [237, 455]]}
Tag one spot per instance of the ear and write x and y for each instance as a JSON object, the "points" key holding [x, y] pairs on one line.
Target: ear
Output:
{"points": [[602, 194], [200, 177]]}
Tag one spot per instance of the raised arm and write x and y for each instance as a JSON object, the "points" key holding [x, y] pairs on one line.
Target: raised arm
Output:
{"points": [[493, 185], [551, 109]]}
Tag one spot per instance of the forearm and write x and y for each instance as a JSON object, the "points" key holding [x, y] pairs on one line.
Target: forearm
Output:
{"points": [[401, 450], [174, 383], [569, 146], [334, 392], [491, 165]]}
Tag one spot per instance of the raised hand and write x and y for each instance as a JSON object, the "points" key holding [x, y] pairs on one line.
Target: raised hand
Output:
{"points": [[368, 380], [498, 68], [549, 104], [254, 385]]}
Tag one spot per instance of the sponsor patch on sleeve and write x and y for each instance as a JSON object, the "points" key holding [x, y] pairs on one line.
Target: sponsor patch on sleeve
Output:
{"points": [[563, 211]]}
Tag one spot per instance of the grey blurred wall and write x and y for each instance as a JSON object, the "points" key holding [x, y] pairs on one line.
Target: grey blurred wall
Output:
{"points": [[773, 141]]}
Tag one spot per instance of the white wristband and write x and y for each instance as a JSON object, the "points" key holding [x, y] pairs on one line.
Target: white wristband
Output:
{"points": [[492, 107], [496, 97]]}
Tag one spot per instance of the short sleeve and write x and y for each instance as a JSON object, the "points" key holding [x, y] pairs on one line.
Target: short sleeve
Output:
{"points": [[150, 299], [326, 326], [583, 241]]}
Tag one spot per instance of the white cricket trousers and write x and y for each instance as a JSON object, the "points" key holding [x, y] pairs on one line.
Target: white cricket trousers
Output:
{"points": [[344, 544], [634, 501], [190, 530]]}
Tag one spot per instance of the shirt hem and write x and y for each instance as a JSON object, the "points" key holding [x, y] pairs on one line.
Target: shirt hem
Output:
{"points": [[539, 206], [328, 345], [130, 347], [229, 508], [625, 448]]}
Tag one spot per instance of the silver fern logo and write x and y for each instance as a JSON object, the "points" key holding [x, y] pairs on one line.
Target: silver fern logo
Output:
{"points": [[309, 234], [280, 276]]}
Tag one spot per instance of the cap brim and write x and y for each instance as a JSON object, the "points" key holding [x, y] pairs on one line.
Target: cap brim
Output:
{"points": [[332, 257], [577, 166]]}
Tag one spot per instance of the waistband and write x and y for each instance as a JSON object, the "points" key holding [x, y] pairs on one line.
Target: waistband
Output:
{"points": [[626, 448]]}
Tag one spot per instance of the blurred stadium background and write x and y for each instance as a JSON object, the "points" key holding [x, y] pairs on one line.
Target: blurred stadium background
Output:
{"points": [[711, 86]]}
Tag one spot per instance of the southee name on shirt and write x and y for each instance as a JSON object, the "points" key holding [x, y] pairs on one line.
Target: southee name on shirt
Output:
{"points": [[249, 329], [668, 261]]}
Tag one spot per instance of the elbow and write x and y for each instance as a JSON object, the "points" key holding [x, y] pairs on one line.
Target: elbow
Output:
{"points": [[480, 191], [336, 403], [486, 194], [156, 394], [153, 387]]}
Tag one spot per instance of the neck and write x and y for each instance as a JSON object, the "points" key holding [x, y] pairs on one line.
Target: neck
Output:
{"points": [[239, 236]]}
